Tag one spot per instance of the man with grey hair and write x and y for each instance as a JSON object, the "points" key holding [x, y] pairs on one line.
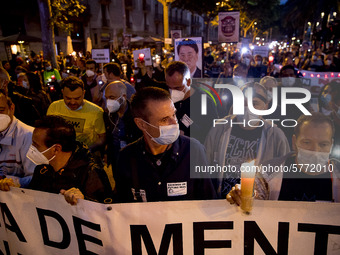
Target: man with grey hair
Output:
{"points": [[120, 127], [244, 138]]}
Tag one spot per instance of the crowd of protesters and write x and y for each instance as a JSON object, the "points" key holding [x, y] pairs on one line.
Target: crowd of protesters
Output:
{"points": [[112, 134]]}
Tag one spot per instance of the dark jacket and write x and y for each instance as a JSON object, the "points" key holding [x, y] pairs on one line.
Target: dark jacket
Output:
{"points": [[25, 109], [146, 81], [138, 174], [81, 172], [119, 132], [190, 119], [198, 73]]}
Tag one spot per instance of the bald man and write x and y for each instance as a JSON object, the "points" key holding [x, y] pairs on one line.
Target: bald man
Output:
{"points": [[120, 127]]}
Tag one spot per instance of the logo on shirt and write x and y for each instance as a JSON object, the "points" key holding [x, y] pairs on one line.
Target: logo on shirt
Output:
{"points": [[77, 123]]}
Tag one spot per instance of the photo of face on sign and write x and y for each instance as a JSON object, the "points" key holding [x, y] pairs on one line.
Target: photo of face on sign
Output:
{"points": [[189, 51]]}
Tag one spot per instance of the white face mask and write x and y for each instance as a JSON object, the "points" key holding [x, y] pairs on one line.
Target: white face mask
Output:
{"points": [[168, 134], [113, 105], [49, 68], [38, 157], [246, 61], [5, 120], [25, 84], [247, 116], [312, 157], [288, 81], [258, 63], [177, 95], [238, 80], [89, 73]]}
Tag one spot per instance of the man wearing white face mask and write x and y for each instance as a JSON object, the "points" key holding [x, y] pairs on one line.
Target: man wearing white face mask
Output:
{"points": [[250, 137], [157, 166], [187, 100], [15, 139], [112, 72], [86, 117], [316, 180], [120, 126], [91, 83], [65, 165]]}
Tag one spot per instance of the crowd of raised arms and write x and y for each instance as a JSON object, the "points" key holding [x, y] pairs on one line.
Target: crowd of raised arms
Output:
{"points": [[125, 131]]}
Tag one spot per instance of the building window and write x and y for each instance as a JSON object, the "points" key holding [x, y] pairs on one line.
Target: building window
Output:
{"points": [[77, 31], [104, 20], [95, 39], [127, 17]]}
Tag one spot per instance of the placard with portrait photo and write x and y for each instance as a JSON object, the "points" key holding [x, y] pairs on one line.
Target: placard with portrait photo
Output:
{"points": [[189, 50]]}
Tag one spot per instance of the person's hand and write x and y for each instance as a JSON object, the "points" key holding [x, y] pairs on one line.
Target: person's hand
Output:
{"points": [[234, 196], [6, 183], [141, 66], [72, 195]]}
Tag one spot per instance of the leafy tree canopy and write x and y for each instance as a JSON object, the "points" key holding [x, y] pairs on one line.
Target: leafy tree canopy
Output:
{"points": [[63, 11]]}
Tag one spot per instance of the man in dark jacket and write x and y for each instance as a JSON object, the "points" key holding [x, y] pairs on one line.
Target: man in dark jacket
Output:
{"points": [[120, 127], [64, 165], [160, 165]]}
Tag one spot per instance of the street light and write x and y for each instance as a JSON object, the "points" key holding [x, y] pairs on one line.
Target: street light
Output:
{"points": [[322, 14]]}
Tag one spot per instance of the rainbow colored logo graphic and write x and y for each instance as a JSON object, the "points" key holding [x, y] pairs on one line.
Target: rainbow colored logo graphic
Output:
{"points": [[209, 93]]}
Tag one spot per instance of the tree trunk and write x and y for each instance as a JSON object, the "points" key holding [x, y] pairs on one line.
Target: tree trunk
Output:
{"points": [[47, 32]]}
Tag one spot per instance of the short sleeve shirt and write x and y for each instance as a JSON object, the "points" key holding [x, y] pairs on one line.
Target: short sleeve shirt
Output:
{"points": [[87, 121]]}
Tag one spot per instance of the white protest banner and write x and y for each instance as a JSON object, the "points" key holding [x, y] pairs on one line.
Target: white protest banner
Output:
{"points": [[35, 222], [101, 55], [147, 56], [261, 50], [228, 26]]}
